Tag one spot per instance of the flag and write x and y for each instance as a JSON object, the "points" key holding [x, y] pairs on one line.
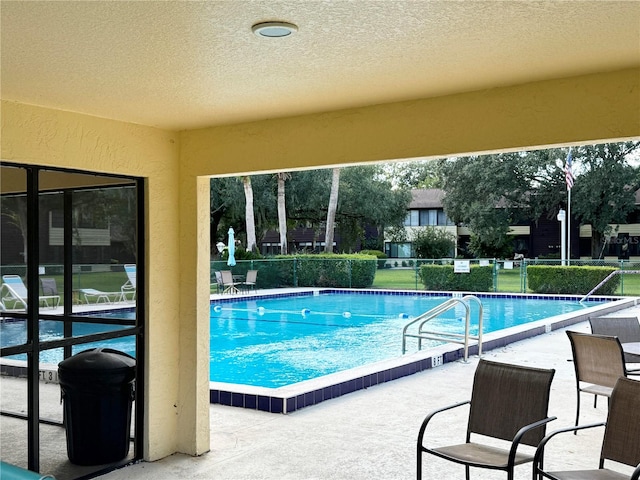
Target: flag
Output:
{"points": [[568, 171]]}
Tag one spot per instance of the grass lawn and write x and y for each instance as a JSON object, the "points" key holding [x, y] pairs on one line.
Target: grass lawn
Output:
{"points": [[397, 279]]}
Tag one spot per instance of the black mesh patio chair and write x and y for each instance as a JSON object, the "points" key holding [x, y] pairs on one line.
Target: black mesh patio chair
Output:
{"points": [[627, 329], [599, 362], [621, 441], [508, 403]]}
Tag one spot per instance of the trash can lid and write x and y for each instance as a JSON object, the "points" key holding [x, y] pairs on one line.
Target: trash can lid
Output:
{"points": [[96, 360]]}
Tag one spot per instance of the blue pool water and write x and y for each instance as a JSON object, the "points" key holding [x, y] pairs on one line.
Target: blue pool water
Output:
{"points": [[278, 341]]}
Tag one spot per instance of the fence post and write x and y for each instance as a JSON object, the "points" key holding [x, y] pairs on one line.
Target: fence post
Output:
{"points": [[351, 273], [295, 277], [523, 276], [495, 275], [621, 277]]}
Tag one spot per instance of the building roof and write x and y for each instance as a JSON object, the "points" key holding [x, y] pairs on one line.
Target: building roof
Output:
{"points": [[426, 198]]}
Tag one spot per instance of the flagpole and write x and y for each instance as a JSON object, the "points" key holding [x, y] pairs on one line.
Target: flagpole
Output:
{"points": [[568, 175], [569, 227]]}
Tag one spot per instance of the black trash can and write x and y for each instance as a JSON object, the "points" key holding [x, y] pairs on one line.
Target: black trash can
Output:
{"points": [[97, 388]]}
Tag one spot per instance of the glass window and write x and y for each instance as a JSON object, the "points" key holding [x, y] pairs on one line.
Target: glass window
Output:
{"points": [[412, 219]]}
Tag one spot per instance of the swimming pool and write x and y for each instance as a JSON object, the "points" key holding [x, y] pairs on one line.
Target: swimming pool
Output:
{"points": [[282, 352], [274, 342]]}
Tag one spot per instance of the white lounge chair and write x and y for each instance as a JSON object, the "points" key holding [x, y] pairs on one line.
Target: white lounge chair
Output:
{"points": [[129, 287], [91, 295], [14, 290]]}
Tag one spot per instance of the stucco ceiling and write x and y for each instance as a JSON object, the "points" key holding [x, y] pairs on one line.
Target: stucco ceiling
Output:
{"points": [[189, 64]]}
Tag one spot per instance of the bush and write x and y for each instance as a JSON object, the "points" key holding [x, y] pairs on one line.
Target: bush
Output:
{"points": [[381, 256], [431, 242], [570, 280], [441, 277], [330, 270]]}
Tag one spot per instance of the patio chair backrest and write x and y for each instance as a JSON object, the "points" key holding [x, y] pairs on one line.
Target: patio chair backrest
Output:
{"points": [[252, 276], [597, 359], [17, 286], [49, 286], [627, 329], [507, 397], [130, 269], [227, 277], [622, 434]]}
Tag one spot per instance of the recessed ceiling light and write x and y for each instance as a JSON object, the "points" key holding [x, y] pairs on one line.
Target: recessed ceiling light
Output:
{"points": [[274, 29]]}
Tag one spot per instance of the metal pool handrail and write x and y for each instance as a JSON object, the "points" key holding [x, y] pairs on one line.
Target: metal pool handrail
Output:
{"points": [[446, 336], [608, 277]]}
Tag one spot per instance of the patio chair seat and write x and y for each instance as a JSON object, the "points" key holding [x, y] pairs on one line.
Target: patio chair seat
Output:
{"points": [[478, 454], [603, 474]]}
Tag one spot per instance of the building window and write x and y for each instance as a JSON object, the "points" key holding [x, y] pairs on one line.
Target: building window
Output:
{"points": [[427, 217], [398, 250]]}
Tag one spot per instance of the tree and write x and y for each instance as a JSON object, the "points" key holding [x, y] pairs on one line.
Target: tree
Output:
{"points": [[491, 192], [408, 175], [331, 211], [604, 189], [227, 199], [282, 210], [249, 214], [14, 208], [431, 242]]}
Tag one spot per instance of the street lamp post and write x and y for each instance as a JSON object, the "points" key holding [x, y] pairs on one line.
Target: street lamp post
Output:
{"points": [[562, 218], [220, 246]]}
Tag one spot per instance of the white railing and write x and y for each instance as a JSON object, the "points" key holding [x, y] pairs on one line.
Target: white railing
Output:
{"points": [[422, 334]]}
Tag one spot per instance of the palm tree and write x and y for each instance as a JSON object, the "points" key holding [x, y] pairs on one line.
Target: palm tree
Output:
{"points": [[282, 211], [249, 216], [331, 211]]}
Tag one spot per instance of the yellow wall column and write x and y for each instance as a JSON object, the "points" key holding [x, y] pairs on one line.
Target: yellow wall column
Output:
{"points": [[194, 280]]}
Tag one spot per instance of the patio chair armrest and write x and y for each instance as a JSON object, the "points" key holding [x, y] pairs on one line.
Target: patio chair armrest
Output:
{"points": [[428, 418], [515, 443], [538, 458]]}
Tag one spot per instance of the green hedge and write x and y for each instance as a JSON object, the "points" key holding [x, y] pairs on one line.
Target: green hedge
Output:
{"points": [[381, 256], [323, 270], [441, 277], [332, 270], [570, 279]]}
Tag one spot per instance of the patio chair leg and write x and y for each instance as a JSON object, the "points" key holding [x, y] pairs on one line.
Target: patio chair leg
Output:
{"points": [[419, 465], [577, 413], [466, 472]]}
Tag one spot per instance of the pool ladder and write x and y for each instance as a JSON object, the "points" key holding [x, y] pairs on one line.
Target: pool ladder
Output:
{"points": [[463, 339]]}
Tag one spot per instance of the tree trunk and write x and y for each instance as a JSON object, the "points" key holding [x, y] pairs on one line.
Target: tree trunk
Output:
{"points": [[249, 216], [597, 244], [282, 213], [331, 211]]}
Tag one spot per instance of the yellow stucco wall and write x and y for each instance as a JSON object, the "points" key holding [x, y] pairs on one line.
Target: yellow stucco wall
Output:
{"points": [[574, 110], [33, 135]]}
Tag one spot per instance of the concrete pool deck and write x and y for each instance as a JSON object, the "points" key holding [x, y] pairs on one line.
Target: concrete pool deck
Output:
{"points": [[372, 433], [369, 433]]}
